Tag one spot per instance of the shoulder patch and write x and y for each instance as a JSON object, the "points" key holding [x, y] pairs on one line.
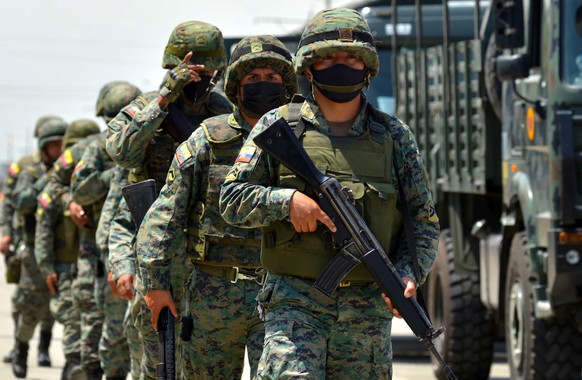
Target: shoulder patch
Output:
{"points": [[131, 111], [66, 158], [45, 200], [171, 175], [246, 154], [14, 169], [183, 153], [79, 165]]}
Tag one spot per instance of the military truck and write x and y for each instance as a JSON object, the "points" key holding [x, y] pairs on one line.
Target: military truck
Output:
{"points": [[498, 119]]}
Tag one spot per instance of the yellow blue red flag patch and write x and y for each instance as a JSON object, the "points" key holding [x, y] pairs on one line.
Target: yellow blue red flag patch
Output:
{"points": [[246, 154], [183, 153]]}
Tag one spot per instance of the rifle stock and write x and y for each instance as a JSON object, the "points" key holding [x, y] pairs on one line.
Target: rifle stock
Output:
{"points": [[356, 241]]}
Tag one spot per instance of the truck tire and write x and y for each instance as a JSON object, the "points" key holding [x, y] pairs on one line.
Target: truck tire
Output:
{"points": [[454, 302], [492, 83], [536, 348]]}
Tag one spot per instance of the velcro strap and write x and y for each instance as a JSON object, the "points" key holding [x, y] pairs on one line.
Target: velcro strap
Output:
{"points": [[342, 34], [265, 47]]}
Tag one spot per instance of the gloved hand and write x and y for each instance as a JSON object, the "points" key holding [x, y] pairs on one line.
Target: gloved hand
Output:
{"points": [[178, 78]]}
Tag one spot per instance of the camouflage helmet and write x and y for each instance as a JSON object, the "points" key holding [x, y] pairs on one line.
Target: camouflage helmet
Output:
{"points": [[336, 30], [51, 130], [203, 40], [259, 51], [41, 120], [78, 130], [113, 97]]}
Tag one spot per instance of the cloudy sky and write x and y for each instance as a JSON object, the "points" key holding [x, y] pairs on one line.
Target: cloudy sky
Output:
{"points": [[56, 54]]}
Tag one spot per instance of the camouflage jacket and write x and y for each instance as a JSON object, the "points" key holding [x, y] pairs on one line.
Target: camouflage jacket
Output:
{"points": [[250, 198], [121, 238], [8, 209], [190, 187], [30, 182]]}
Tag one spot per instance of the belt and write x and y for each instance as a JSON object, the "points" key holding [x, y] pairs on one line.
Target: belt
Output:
{"points": [[233, 274]]}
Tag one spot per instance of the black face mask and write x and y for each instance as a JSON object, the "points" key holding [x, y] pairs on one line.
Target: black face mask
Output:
{"points": [[261, 97], [195, 90], [339, 83]]}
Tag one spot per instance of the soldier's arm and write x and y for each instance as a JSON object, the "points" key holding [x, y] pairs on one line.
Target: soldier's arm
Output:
{"points": [[247, 197], [7, 210], [121, 251], [416, 186], [48, 213], [130, 132], [25, 192], [161, 234], [90, 180], [109, 210]]}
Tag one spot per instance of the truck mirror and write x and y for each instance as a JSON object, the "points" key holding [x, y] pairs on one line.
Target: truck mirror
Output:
{"points": [[508, 23], [510, 67]]}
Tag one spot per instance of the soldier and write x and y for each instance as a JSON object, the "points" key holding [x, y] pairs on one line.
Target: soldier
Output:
{"points": [[346, 336], [220, 298], [33, 298], [89, 185], [144, 137], [58, 241], [7, 234]]}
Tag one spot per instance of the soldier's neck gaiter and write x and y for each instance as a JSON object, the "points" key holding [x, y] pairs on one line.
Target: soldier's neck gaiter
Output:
{"points": [[195, 90], [261, 97], [339, 83]]}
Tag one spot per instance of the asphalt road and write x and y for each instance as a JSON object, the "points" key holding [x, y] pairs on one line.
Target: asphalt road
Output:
{"points": [[410, 362]]}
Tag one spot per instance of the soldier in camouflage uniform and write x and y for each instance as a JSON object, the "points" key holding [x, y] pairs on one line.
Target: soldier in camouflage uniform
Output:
{"points": [[220, 298], [346, 336], [33, 299], [144, 137], [58, 242], [7, 233], [89, 185]]}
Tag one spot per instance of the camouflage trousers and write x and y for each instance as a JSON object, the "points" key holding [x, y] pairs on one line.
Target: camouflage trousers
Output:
{"points": [[134, 342], [225, 321], [141, 315], [310, 336], [33, 297], [61, 307], [91, 316], [113, 350]]}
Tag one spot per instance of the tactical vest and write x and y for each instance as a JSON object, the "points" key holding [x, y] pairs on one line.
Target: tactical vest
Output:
{"points": [[364, 165], [212, 239], [158, 157], [27, 221]]}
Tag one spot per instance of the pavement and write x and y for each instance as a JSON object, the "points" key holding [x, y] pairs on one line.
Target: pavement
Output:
{"points": [[411, 361]]}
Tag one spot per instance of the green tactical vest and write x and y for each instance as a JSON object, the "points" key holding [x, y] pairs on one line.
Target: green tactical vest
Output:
{"points": [[364, 165], [158, 157], [27, 221], [66, 240], [212, 239]]}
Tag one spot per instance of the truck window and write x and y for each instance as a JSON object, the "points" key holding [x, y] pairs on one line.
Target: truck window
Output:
{"points": [[571, 43]]}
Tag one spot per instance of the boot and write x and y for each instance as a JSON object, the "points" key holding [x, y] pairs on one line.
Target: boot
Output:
{"points": [[44, 359], [8, 357], [72, 369], [19, 367], [95, 374]]}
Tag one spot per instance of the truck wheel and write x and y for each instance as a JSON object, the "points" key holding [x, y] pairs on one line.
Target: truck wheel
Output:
{"points": [[454, 302], [536, 348]]}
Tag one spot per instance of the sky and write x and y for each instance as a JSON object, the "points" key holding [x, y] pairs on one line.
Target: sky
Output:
{"points": [[56, 54]]}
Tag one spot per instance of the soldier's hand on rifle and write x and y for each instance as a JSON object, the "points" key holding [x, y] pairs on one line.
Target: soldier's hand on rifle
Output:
{"points": [[78, 214], [409, 291], [52, 283], [179, 77], [126, 286], [156, 301], [304, 213], [5, 242]]}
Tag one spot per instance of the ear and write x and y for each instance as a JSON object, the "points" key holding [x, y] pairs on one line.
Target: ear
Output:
{"points": [[308, 75]]}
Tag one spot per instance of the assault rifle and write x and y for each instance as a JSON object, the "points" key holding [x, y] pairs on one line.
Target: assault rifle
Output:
{"points": [[139, 198], [356, 242]]}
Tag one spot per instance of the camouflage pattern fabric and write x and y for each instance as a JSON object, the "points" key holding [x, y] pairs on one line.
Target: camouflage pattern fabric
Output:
{"points": [[134, 343], [221, 333], [225, 322], [61, 307], [249, 198], [33, 297], [336, 21], [204, 40], [310, 336]]}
